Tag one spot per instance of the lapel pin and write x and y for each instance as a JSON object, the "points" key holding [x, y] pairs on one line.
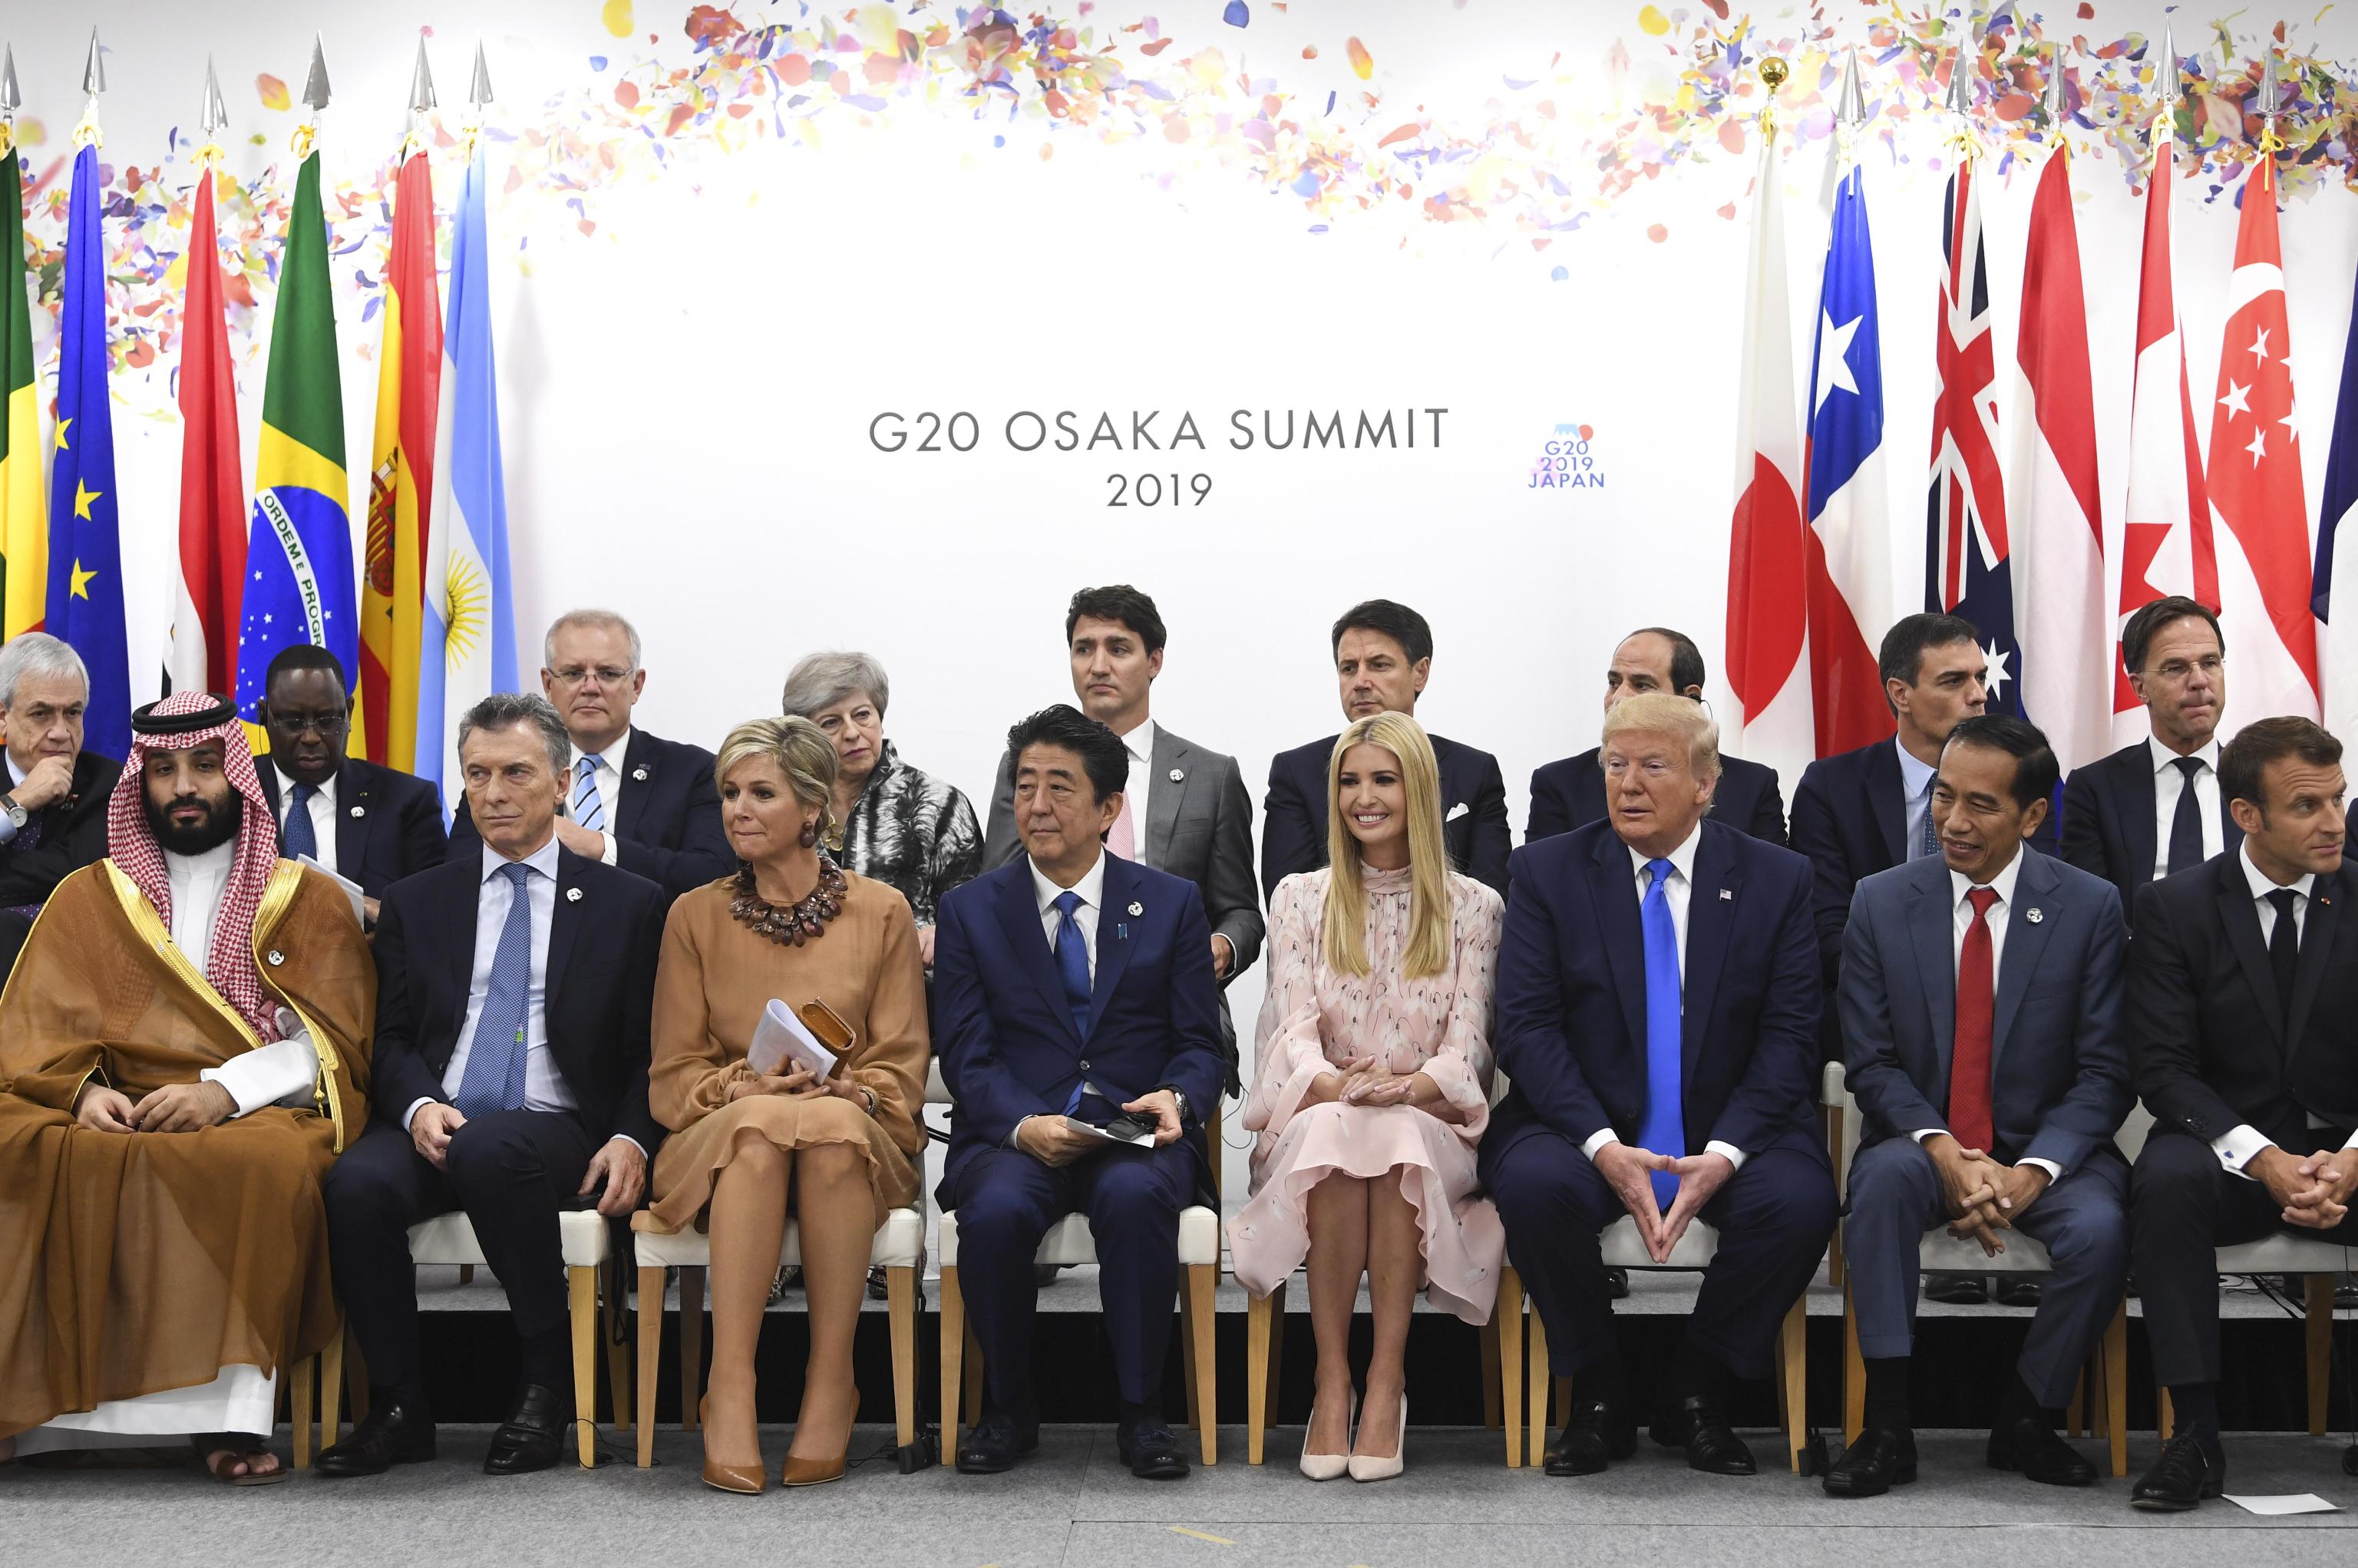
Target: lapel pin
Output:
{"points": [[2034, 915], [276, 958], [573, 896], [1137, 909], [1178, 776], [1727, 895], [360, 811], [639, 774]]}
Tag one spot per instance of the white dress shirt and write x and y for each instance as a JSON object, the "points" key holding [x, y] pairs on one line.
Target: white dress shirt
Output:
{"points": [[2169, 783], [1915, 781], [280, 1074], [15, 782], [323, 816], [1091, 887], [1677, 894], [2241, 1142], [608, 776], [1140, 744], [1961, 922]]}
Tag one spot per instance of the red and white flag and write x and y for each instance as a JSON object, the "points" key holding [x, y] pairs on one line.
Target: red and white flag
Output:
{"points": [[1767, 715], [210, 577], [2059, 534], [2166, 543], [2254, 478]]}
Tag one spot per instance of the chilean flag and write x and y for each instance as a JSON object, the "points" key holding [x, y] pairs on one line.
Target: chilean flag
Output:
{"points": [[2255, 485], [1966, 572], [1767, 715], [1848, 564]]}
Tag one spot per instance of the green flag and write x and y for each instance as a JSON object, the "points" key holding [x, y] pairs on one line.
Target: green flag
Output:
{"points": [[23, 508]]}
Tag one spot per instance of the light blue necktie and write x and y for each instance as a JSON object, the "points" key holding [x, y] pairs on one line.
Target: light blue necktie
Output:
{"points": [[494, 1076], [588, 809], [1663, 1129], [1073, 968], [296, 838]]}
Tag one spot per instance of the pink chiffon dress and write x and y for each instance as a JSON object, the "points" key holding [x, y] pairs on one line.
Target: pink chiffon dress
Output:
{"points": [[1314, 1019]]}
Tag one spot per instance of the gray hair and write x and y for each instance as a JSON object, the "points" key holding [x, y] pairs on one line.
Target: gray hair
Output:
{"points": [[821, 680], [599, 620], [511, 709], [37, 653]]}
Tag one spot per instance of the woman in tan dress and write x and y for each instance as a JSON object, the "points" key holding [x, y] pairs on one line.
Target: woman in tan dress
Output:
{"points": [[747, 1149]]}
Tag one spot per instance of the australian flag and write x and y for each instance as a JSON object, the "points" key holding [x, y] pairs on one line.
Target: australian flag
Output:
{"points": [[1966, 572]]}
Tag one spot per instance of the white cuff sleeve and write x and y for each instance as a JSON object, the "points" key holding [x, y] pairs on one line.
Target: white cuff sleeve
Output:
{"points": [[613, 848], [2238, 1148], [7, 829], [626, 1138], [411, 1114], [2054, 1172], [283, 1074], [1733, 1155], [1921, 1133], [1598, 1140]]}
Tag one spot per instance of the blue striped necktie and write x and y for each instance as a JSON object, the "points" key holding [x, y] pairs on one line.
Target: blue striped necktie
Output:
{"points": [[494, 1076], [1663, 1130], [589, 809], [296, 838]]}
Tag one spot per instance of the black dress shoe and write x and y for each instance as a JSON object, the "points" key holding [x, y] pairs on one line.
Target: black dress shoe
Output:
{"points": [[1150, 1450], [1956, 1290], [1698, 1426], [396, 1432], [2016, 1293], [1591, 1437], [2028, 1444], [2180, 1479], [533, 1437], [994, 1443], [1880, 1460], [1616, 1283]]}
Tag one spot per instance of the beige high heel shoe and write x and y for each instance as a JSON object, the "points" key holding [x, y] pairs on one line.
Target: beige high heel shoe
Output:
{"points": [[1327, 1466], [1365, 1469], [731, 1477]]}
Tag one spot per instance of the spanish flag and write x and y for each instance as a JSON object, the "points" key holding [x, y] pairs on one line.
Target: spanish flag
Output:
{"points": [[24, 504], [401, 473], [299, 555]]}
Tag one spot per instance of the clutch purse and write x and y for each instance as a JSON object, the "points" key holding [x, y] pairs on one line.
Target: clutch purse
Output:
{"points": [[828, 1024]]}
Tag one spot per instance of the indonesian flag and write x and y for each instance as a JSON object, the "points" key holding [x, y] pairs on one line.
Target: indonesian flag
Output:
{"points": [[1767, 713], [2058, 523], [2255, 492], [212, 577], [2166, 543]]}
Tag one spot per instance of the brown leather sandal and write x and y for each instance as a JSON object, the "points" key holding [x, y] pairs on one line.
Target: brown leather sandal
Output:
{"points": [[219, 1450]]}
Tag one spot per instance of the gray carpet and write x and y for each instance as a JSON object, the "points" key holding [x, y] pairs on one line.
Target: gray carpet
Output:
{"points": [[1073, 1504]]}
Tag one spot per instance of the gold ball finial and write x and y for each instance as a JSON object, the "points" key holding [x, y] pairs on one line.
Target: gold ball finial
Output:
{"points": [[1774, 71]]}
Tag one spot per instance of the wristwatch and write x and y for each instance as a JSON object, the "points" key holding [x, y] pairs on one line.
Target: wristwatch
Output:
{"points": [[1180, 1096], [16, 814]]}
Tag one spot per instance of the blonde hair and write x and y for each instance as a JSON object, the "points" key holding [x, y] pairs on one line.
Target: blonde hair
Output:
{"points": [[801, 750], [1666, 713], [1343, 940]]}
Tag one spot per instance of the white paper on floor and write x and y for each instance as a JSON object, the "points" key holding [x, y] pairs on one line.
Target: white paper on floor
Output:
{"points": [[2291, 1503]]}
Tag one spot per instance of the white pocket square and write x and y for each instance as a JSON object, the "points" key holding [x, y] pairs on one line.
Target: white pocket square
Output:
{"points": [[1460, 810]]}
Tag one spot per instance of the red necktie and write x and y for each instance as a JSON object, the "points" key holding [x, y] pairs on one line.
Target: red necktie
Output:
{"points": [[1969, 1059]]}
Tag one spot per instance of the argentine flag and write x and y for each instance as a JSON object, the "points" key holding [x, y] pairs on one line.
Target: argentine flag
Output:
{"points": [[468, 647]]}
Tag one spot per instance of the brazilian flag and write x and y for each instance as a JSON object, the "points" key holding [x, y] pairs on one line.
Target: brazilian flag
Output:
{"points": [[23, 508], [298, 555]]}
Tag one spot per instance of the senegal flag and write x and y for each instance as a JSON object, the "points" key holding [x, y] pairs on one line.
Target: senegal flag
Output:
{"points": [[299, 555], [24, 509]]}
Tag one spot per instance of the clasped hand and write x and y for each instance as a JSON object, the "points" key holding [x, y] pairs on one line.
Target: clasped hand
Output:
{"points": [[2314, 1191], [1630, 1172], [1984, 1195], [1366, 1080], [175, 1107], [799, 1084], [1048, 1139]]}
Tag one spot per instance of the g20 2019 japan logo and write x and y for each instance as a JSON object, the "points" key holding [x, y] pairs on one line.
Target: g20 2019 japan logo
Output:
{"points": [[1567, 461]]}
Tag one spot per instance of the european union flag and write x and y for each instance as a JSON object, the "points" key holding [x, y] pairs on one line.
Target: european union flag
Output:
{"points": [[85, 594]]}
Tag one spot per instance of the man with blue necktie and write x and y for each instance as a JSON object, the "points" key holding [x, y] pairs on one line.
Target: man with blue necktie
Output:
{"points": [[1658, 1011], [1073, 988], [516, 989]]}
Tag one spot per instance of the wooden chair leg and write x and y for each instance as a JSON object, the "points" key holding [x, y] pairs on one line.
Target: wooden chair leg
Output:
{"points": [[581, 1288], [2164, 1424], [612, 1313], [901, 1305], [1187, 1350], [466, 1274], [1492, 1406], [1259, 1310], [1853, 1372], [332, 1389], [651, 1304], [2319, 1321], [1795, 1361], [1539, 1381], [2116, 1389], [953, 1347], [691, 1349], [1203, 1279], [1508, 1315], [300, 1380]]}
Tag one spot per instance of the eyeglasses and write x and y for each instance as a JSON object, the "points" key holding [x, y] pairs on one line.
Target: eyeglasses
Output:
{"points": [[603, 675]]}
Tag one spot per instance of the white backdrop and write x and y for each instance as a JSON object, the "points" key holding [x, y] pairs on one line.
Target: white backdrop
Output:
{"points": [[687, 387]]}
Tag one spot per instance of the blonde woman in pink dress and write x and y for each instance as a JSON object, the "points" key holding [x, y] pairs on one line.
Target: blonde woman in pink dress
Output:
{"points": [[1372, 1088]]}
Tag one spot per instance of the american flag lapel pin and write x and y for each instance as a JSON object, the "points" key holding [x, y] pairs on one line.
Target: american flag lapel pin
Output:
{"points": [[1727, 895]]}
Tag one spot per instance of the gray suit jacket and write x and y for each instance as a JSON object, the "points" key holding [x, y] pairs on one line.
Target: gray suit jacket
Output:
{"points": [[2059, 1061], [1198, 825]]}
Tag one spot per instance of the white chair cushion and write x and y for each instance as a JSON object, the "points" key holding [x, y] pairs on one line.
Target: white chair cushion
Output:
{"points": [[2284, 1255], [1069, 1244], [899, 1244], [447, 1238], [1623, 1249], [1939, 1253]]}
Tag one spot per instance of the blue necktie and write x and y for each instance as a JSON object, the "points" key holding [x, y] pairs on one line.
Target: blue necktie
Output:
{"points": [[588, 809], [295, 839], [1663, 1130], [494, 1076], [1073, 968], [1928, 842]]}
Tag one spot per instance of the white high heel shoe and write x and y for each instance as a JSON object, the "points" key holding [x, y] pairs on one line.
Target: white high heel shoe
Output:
{"points": [[1327, 1466], [1365, 1469]]}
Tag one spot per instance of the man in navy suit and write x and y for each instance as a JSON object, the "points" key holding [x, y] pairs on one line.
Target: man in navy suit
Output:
{"points": [[2153, 808], [1981, 1003], [1383, 656], [514, 987], [368, 824], [1072, 989], [1570, 793], [1658, 1009], [632, 799]]}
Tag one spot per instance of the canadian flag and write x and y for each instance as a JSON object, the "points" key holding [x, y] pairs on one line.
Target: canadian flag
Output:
{"points": [[2254, 476], [2166, 545], [1767, 714]]}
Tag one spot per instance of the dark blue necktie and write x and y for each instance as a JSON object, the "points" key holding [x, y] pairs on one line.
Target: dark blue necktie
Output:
{"points": [[2186, 823], [494, 1076], [1663, 1129], [1073, 968], [1927, 841], [295, 839]]}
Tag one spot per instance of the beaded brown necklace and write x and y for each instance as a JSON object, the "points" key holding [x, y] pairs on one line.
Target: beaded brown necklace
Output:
{"points": [[803, 921]]}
